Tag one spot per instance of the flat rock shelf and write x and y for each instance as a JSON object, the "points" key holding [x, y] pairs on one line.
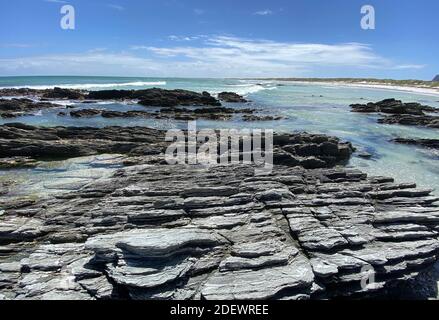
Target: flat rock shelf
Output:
{"points": [[154, 231]]}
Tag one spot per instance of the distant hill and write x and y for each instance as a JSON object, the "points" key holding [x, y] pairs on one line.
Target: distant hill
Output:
{"points": [[436, 79]]}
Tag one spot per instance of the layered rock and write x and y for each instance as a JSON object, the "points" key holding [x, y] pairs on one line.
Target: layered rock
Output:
{"points": [[19, 140], [179, 232]]}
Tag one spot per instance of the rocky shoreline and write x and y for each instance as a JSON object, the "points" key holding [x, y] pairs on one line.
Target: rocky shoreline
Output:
{"points": [[311, 229], [154, 231]]}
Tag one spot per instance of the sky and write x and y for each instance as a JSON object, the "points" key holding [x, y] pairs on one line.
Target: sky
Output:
{"points": [[205, 38]]}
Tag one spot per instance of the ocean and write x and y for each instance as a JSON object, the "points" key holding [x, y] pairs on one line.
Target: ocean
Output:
{"points": [[314, 108]]}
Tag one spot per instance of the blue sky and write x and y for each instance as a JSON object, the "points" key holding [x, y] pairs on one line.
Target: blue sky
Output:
{"points": [[195, 38]]}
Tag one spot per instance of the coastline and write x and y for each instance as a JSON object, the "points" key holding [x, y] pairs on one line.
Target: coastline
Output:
{"points": [[418, 89]]}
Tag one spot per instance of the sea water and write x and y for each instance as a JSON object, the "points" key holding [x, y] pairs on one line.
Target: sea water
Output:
{"points": [[314, 108]]}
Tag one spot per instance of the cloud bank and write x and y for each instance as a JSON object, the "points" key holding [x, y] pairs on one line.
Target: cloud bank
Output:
{"points": [[215, 56]]}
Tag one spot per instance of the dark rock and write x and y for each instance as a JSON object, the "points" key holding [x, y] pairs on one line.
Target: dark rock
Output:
{"points": [[436, 79], [393, 106], [85, 113], [17, 162], [249, 118], [412, 114], [18, 107], [61, 142], [59, 93], [410, 120], [157, 97], [231, 97], [428, 143]]}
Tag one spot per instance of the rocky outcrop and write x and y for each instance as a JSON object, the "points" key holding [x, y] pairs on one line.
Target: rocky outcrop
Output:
{"points": [[19, 140], [427, 143], [149, 97], [412, 114], [178, 232], [158, 97], [12, 108], [182, 114], [249, 118], [59, 93], [392, 106], [411, 120], [61, 142], [436, 79], [231, 97]]}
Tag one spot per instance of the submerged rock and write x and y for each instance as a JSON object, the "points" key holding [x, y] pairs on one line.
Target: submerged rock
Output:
{"points": [[428, 143]]}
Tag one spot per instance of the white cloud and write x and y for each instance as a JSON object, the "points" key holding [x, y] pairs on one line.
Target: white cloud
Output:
{"points": [[199, 12], [266, 12], [217, 56], [410, 66], [184, 38], [116, 7]]}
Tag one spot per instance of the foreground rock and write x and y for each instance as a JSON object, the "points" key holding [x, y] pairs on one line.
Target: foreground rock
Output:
{"points": [[18, 107], [412, 114], [178, 232], [19, 140]]}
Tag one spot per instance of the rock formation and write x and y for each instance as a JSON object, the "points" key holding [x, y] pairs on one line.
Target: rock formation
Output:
{"points": [[19, 140], [231, 97], [178, 232], [12, 108], [412, 114]]}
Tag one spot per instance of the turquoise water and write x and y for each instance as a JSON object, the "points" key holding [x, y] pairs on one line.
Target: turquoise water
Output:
{"points": [[314, 108]]}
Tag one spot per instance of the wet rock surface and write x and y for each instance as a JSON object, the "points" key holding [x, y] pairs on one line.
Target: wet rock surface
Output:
{"points": [[180, 232]]}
